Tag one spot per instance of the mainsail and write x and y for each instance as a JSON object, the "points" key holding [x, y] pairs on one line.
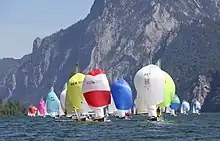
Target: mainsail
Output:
{"points": [[111, 107], [65, 102]]}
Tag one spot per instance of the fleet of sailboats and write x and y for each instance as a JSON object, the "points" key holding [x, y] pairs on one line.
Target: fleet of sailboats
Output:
{"points": [[90, 97]]}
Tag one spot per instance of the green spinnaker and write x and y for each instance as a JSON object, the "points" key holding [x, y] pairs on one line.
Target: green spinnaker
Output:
{"points": [[169, 91]]}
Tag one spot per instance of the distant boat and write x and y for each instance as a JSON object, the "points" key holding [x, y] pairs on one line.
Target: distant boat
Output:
{"points": [[175, 105], [53, 105], [196, 107], [41, 108], [185, 107], [96, 91], [32, 110], [122, 96], [149, 83]]}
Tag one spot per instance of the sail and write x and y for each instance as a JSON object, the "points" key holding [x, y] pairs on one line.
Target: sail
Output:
{"points": [[41, 108], [85, 108], [68, 107], [149, 83], [111, 107], [65, 102], [96, 91], [53, 103], [168, 110], [74, 90], [63, 97], [121, 113], [175, 103], [185, 107], [122, 94], [159, 63], [196, 106], [169, 91], [32, 110], [141, 107]]}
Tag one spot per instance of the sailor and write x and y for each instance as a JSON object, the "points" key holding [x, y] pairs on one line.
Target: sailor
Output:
{"points": [[158, 112]]}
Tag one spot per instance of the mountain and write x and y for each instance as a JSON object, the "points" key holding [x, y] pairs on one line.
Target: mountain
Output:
{"points": [[121, 36], [6, 64]]}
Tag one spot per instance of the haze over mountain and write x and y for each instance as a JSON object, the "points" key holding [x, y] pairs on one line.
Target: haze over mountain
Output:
{"points": [[121, 36]]}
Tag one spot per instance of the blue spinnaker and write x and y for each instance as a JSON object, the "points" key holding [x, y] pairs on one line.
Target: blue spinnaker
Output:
{"points": [[122, 94], [52, 103], [175, 103]]}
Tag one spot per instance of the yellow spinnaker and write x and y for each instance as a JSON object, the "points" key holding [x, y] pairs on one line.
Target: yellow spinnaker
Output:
{"points": [[74, 90], [68, 106]]}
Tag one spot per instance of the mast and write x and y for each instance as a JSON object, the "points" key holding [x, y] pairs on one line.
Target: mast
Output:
{"points": [[98, 56], [159, 63], [76, 68], [150, 57]]}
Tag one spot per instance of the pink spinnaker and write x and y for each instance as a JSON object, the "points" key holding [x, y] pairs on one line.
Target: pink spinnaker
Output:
{"points": [[41, 107]]}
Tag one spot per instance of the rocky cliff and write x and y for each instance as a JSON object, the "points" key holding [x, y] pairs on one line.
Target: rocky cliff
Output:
{"points": [[121, 36]]}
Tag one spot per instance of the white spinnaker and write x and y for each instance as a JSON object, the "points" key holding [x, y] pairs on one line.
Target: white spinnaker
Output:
{"points": [[141, 107], [101, 83], [149, 83]]}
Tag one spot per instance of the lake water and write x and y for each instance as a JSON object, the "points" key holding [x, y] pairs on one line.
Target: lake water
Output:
{"points": [[205, 127]]}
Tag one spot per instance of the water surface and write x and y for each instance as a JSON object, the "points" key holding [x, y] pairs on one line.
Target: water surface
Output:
{"points": [[205, 127]]}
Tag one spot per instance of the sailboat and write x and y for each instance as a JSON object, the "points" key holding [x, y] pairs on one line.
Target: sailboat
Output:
{"points": [[149, 83], [41, 108], [75, 95], [96, 91], [32, 110], [175, 105], [196, 107], [122, 95], [53, 105], [185, 107]]}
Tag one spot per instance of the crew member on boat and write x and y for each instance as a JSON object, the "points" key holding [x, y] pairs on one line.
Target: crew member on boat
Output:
{"points": [[159, 112]]}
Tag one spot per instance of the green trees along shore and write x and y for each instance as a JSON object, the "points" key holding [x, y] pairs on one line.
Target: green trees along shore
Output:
{"points": [[11, 108]]}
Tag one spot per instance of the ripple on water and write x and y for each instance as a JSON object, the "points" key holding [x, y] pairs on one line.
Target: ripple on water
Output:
{"points": [[182, 128]]}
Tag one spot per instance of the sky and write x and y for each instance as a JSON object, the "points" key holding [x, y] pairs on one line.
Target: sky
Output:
{"points": [[21, 21]]}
